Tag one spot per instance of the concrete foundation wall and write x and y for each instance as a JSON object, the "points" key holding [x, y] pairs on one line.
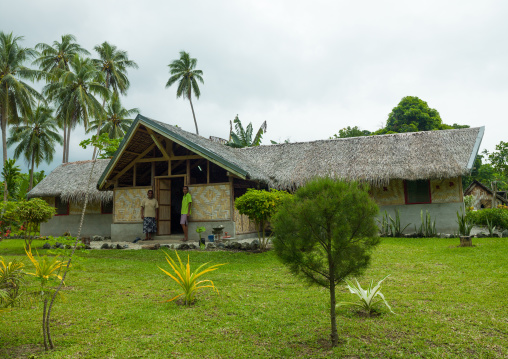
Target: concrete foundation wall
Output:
{"points": [[445, 215], [126, 231], [93, 224]]}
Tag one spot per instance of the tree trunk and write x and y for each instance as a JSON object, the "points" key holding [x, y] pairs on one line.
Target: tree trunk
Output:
{"points": [[100, 120], [64, 140], [331, 267], [194, 115], [44, 324], [30, 186], [68, 143], [5, 114]]}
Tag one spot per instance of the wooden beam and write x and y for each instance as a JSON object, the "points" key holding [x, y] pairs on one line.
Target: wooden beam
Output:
{"points": [[134, 176], [131, 153], [153, 176], [134, 161], [159, 145], [207, 171]]}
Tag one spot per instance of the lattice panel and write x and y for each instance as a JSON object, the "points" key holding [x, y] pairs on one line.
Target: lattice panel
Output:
{"points": [[391, 194], [243, 224], [445, 190], [211, 202], [127, 206]]}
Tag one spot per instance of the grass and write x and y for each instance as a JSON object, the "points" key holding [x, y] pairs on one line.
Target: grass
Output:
{"points": [[449, 302]]}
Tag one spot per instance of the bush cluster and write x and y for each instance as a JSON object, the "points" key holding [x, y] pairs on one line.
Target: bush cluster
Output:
{"points": [[497, 216]]}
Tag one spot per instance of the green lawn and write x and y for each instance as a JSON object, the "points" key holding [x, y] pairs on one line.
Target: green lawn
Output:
{"points": [[449, 302]]}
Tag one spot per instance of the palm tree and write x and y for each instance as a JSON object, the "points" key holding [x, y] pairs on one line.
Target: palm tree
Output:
{"points": [[36, 139], [243, 137], [182, 70], [57, 56], [113, 63], [54, 59], [74, 95], [116, 122], [16, 96]]}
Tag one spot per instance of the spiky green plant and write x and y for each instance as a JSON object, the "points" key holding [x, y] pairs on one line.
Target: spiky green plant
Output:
{"points": [[464, 225], [490, 227], [11, 282], [395, 226], [367, 296], [186, 279], [385, 225]]}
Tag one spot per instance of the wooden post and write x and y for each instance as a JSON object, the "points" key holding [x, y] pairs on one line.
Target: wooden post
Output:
{"points": [[169, 168], [207, 172], [188, 173], [134, 176], [153, 176]]}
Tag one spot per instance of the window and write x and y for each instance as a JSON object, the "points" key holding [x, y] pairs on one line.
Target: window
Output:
{"points": [[107, 208], [62, 208], [218, 174], [198, 172], [417, 191]]}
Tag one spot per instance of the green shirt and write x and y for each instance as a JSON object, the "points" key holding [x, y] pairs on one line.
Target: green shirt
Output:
{"points": [[185, 203]]}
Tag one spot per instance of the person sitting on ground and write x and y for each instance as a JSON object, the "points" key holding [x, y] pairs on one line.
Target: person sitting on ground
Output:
{"points": [[149, 207]]}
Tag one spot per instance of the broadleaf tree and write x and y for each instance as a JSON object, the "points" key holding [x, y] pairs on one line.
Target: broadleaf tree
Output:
{"points": [[325, 233]]}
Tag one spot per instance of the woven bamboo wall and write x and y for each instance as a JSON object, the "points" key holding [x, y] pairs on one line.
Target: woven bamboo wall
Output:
{"points": [[243, 224], [127, 208], [446, 190], [211, 202], [76, 208], [391, 194]]}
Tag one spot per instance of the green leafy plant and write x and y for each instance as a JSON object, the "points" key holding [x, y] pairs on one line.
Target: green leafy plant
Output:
{"points": [[325, 233], [396, 229], [34, 212], [490, 227], [200, 230], [427, 228], [367, 296], [11, 282], [469, 202], [465, 225], [107, 146], [384, 231], [45, 268], [187, 280], [260, 206], [496, 216]]}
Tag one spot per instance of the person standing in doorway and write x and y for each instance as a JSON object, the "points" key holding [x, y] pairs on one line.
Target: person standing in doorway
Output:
{"points": [[185, 213], [149, 207]]}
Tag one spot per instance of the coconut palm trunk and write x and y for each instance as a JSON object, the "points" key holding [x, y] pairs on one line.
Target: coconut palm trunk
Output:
{"points": [[31, 173], [194, 115], [5, 113], [64, 140]]}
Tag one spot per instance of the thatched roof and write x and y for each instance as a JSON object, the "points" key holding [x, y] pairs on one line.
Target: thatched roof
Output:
{"points": [[375, 159], [69, 181]]}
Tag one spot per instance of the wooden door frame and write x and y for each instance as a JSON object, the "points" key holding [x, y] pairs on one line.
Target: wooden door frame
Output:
{"points": [[156, 189]]}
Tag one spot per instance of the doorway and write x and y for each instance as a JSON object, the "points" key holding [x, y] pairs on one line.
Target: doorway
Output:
{"points": [[169, 196]]}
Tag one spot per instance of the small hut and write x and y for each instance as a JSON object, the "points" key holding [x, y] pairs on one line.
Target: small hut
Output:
{"points": [[484, 196], [65, 189]]}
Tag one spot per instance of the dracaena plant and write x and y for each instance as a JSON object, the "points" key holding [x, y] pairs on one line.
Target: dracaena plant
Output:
{"points": [[188, 280], [367, 296], [11, 283], [45, 268]]}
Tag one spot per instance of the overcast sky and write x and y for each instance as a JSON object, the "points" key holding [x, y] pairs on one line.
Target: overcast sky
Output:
{"points": [[309, 68]]}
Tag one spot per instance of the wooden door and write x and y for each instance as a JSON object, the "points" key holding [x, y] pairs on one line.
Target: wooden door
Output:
{"points": [[164, 198]]}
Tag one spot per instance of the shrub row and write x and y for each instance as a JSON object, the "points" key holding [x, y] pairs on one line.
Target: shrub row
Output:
{"points": [[496, 216]]}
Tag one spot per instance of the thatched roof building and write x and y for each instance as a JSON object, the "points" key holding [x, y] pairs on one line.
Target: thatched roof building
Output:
{"points": [[69, 182], [375, 159]]}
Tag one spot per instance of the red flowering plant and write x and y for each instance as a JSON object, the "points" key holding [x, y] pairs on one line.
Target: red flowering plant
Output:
{"points": [[9, 217]]}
